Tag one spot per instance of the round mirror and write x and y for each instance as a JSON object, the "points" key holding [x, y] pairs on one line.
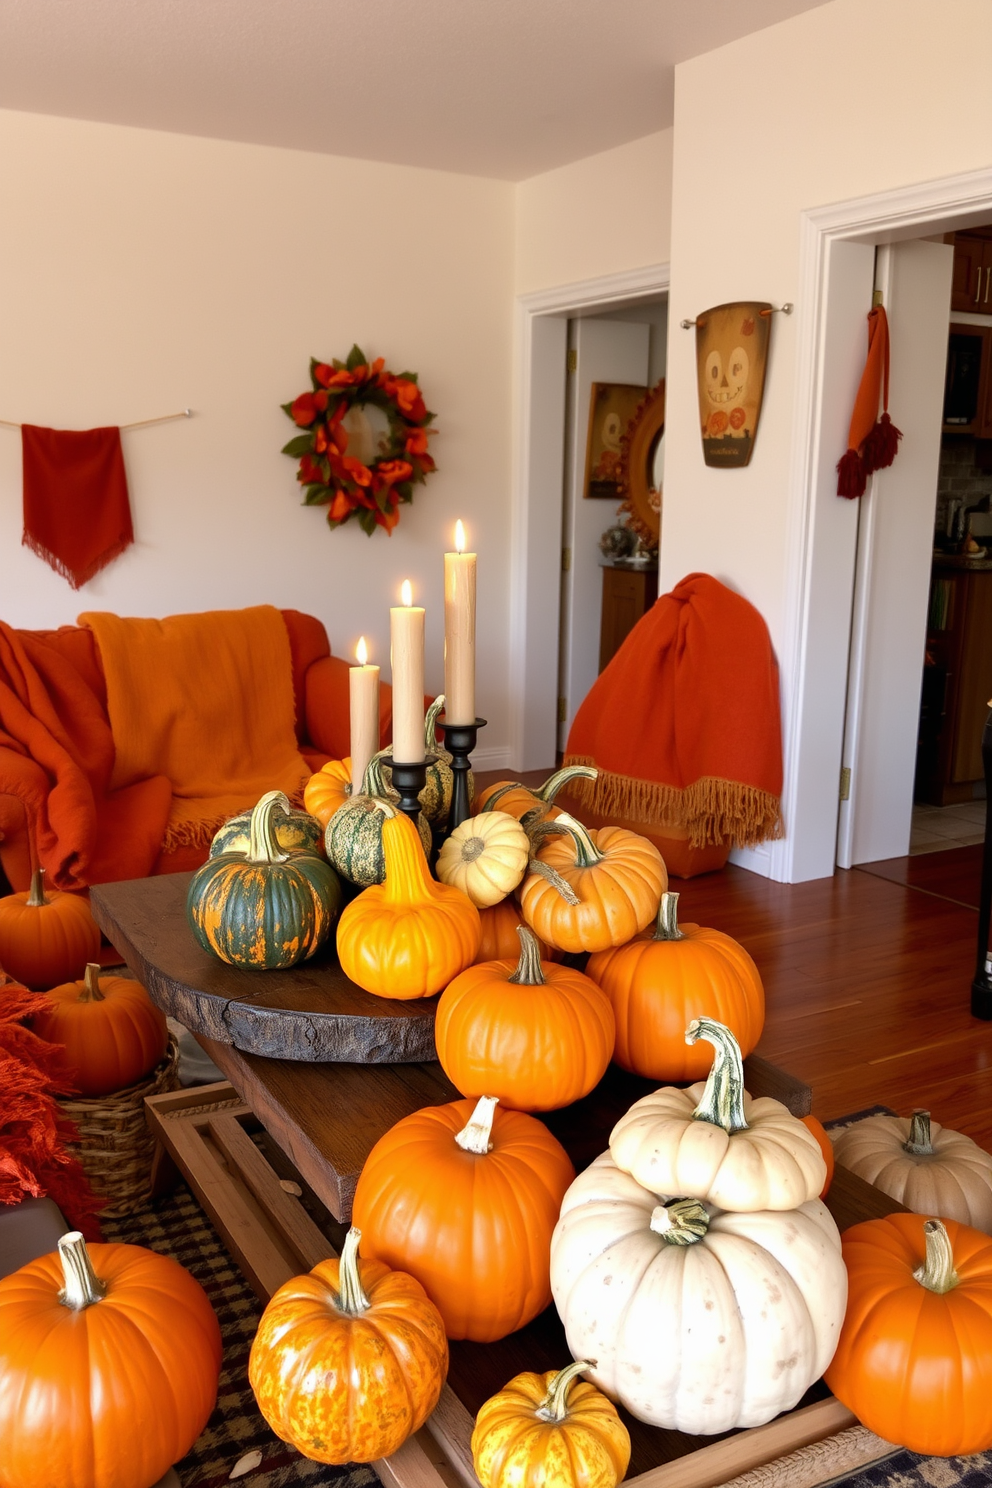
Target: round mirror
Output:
{"points": [[642, 466]]}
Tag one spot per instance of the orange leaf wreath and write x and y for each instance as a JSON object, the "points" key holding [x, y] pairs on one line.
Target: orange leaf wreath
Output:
{"points": [[332, 477]]}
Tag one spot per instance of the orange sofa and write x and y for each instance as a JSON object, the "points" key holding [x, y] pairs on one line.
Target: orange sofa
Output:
{"points": [[70, 661]]}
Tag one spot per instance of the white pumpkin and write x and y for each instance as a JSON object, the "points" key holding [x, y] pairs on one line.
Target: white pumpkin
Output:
{"points": [[486, 857], [698, 1320], [712, 1141], [923, 1165]]}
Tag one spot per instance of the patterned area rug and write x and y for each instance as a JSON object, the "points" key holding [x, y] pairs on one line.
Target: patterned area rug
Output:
{"points": [[178, 1227]]}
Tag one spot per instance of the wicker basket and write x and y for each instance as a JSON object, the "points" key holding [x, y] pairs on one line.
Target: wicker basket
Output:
{"points": [[115, 1146]]}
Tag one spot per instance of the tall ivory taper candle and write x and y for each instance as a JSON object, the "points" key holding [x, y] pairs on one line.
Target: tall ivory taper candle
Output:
{"points": [[406, 635], [459, 632], [363, 685]]}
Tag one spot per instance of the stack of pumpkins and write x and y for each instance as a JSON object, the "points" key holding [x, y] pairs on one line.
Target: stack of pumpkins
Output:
{"points": [[112, 1032]]}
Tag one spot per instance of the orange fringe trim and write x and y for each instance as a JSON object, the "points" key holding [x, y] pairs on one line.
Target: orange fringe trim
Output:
{"points": [[710, 810], [193, 831]]}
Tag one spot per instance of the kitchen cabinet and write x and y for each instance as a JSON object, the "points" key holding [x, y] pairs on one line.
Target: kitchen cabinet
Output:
{"points": [[968, 381], [971, 282], [957, 684], [628, 594]]}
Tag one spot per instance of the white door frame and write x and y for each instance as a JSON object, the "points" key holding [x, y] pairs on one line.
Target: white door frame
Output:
{"points": [[816, 634], [533, 574]]}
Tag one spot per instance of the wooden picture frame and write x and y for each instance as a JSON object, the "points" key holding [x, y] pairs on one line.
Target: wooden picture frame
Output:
{"points": [[611, 407], [642, 456]]}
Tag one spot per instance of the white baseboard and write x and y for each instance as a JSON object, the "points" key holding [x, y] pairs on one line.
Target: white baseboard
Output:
{"points": [[754, 859], [496, 757]]}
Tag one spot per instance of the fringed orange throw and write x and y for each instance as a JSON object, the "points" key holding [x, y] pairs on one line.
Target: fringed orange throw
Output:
{"points": [[206, 700], [683, 725]]}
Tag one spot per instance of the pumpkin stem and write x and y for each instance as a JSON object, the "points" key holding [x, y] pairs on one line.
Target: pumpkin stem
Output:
{"points": [[722, 1101], [82, 1285], [554, 1406], [36, 897], [680, 1221], [560, 778], [937, 1273], [408, 879], [528, 972], [918, 1142], [263, 845], [667, 924], [555, 879], [587, 854], [351, 1296], [430, 723], [91, 984], [476, 1136]]}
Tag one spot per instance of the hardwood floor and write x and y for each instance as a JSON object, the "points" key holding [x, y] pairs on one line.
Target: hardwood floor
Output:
{"points": [[868, 982]]}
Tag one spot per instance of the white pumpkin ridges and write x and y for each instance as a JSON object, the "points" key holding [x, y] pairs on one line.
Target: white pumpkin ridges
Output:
{"points": [[955, 1182]]}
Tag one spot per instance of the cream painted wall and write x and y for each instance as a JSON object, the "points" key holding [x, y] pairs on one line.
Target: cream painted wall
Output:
{"points": [[597, 216], [853, 97], [142, 272]]}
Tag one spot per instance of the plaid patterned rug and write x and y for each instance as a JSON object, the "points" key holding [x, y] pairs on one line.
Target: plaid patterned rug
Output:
{"points": [[178, 1227]]}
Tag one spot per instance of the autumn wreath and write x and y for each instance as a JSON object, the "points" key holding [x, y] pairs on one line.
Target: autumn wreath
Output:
{"points": [[366, 442]]}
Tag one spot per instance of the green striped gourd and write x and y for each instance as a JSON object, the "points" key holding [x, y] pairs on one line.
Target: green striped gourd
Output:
{"points": [[353, 837], [296, 831], [435, 798], [264, 908]]}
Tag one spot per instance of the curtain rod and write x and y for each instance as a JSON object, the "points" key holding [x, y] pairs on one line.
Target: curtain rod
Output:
{"points": [[164, 418]]}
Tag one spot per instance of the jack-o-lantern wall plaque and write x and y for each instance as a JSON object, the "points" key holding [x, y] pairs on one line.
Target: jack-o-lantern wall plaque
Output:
{"points": [[731, 354]]}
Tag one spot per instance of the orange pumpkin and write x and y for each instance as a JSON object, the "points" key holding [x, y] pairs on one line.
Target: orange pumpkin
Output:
{"points": [[826, 1147], [536, 1035], [328, 789], [499, 933], [465, 1198], [914, 1359], [409, 936], [661, 981], [518, 800], [46, 938], [348, 1361], [112, 1031], [587, 891], [109, 1361], [550, 1431]]}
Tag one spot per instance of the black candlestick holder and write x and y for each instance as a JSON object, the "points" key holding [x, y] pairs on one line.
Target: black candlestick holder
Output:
{"points": [[408, 782], [459, 740], [981, 987]]}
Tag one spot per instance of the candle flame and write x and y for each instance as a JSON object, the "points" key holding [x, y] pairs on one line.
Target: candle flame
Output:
{"points": [[459, 536], [362, 652], [406, 593]]}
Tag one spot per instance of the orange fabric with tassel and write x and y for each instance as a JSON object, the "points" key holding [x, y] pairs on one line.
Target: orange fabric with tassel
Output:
{"points": [[872, 441]]}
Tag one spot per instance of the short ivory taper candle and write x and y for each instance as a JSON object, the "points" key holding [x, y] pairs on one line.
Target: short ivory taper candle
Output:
{"points": [[406, 635], [363, 685], [459, 632]]}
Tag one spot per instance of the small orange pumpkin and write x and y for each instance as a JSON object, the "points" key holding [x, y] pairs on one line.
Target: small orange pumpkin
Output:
{"points": [[408, 936], [518, 800], [348, 1361], [826, 1147], [465, 1198], [46, 938], [112, 1031], [536, 1035], [587, 891], [550, 1431], [499, 933], [661, 981], [328, 789]]}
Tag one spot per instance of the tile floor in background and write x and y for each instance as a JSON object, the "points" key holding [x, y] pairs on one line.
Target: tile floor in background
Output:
{"points": [[936, 828]]}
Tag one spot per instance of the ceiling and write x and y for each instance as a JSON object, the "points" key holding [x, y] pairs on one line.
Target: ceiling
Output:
{"points": [[502, 88]]}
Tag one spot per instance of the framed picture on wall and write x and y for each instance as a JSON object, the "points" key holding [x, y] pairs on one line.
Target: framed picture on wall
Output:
{"points": [[611, 407]]}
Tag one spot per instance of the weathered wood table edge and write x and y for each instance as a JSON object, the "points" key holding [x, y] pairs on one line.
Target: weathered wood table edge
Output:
{"points": [[262, 1220]]}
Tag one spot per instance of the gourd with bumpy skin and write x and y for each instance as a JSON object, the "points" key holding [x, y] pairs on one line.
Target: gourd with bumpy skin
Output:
{"points": [[698, 1320], [465, 1197], [714, 1142], [537, 1035], [112, 1032], [914, 1361], [660, 981], [588, 891], [265, 908], [46, 936], [408, 936], [349, 1360], [486, 857], [550, 1431], [922, 1165], [353, 838], [297, 831], [109, 1361], [519, 800], [435, 798], [328, 790]]}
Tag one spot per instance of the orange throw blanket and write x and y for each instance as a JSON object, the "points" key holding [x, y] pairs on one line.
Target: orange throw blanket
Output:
{"points": [[683, 725], [207, 701]]}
